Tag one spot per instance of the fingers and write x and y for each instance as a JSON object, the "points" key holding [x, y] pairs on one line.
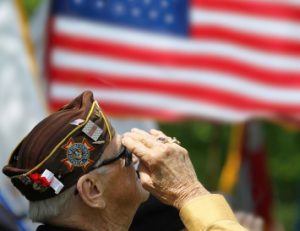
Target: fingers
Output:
{"points": [[154, 138], [142, 144], [142, 136], [137, 148], [239, 216], [258, 225], [254, 223], [157, 133], [250, 221], [161, 135]]}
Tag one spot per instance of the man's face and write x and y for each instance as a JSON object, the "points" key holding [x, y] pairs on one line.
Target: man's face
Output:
{"points": [[121, 183]]}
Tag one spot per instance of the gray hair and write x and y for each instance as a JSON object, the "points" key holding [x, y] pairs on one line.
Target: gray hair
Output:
{"points": [[45, 210]]}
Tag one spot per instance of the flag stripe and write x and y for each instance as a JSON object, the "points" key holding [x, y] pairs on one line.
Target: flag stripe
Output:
{"points": [[268, 44], [240, 60], [115, 109], [248, 24], [144, 100], [274, 9], [71, 60], [177, 45], [171, 59], [183, 90]]}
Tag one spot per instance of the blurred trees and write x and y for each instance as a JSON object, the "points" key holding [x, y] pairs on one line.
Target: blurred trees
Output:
{"points": [[31, 5]]}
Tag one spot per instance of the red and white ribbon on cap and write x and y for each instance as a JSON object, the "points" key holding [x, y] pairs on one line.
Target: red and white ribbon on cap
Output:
{"points": [[54, 182]]}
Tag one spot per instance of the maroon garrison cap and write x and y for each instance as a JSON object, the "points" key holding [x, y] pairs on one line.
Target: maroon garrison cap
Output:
{"points": [[60, 149]]}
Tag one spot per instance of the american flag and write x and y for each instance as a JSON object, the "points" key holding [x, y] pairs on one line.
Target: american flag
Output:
{"points": [[223, 60]]}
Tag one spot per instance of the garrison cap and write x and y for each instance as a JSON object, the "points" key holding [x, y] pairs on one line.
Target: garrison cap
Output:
{"points": [[60, 149]]}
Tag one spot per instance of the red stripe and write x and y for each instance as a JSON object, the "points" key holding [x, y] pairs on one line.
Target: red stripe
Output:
{"points": [[269, 44], [256, 8], [172, 59], [184, 90], [117, 109]]}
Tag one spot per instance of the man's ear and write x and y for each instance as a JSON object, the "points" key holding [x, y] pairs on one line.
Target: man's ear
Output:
{"points": [[90, 190]]}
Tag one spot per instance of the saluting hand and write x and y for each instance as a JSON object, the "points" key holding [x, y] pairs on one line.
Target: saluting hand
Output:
{"points": [[166, 170]]}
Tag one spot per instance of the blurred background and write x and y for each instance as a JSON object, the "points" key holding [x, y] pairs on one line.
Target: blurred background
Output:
{"points": [[222, 76]]}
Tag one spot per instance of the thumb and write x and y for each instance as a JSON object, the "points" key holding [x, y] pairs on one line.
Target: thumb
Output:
{"points": [[145, 178]]}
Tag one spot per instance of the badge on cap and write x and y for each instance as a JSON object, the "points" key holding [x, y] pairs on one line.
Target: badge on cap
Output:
{"points": [[78, 154], [77, 122], [99, 142], [54, 183], [92, 130]]}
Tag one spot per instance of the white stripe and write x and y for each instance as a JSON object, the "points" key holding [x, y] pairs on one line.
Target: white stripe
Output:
{"points": [[135, 70], [245, 23], [295, 3], [154, 101], [144, 40]]}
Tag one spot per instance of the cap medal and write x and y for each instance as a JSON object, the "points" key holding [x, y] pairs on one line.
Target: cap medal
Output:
{"points": [[78, 154]]}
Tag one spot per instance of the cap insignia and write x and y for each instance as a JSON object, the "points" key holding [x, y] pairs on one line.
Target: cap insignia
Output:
{"points": [[38, 182], [99, 142], [54, 183], [42, 182], [92, 130], [78, 154]]}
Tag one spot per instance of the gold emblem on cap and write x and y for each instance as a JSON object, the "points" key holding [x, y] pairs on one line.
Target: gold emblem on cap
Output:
{"points": [[78, 154]]}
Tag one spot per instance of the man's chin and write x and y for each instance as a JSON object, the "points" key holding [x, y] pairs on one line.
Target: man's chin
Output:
{"points": [[145, 196], [144, 193]]}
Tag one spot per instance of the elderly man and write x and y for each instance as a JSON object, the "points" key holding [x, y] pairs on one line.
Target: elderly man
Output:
{"points": [[78, 174]]}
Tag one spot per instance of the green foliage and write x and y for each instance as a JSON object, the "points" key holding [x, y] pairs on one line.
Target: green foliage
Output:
{"points": [[284, 153], [31, 5], [283, 147], [286, 212]]}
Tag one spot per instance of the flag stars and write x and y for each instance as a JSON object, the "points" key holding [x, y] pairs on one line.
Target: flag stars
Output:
{"points": [[119, 9], [100, 4], [153, 14], [169, 18], [164, 3], [136, 12]]}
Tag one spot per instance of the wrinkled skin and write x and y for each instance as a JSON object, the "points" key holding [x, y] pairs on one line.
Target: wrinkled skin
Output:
{"points": [[166, 170]]}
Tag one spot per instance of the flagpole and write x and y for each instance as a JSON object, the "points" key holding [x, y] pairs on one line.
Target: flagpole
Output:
{"points": [[24, 25], [230, 171]]}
